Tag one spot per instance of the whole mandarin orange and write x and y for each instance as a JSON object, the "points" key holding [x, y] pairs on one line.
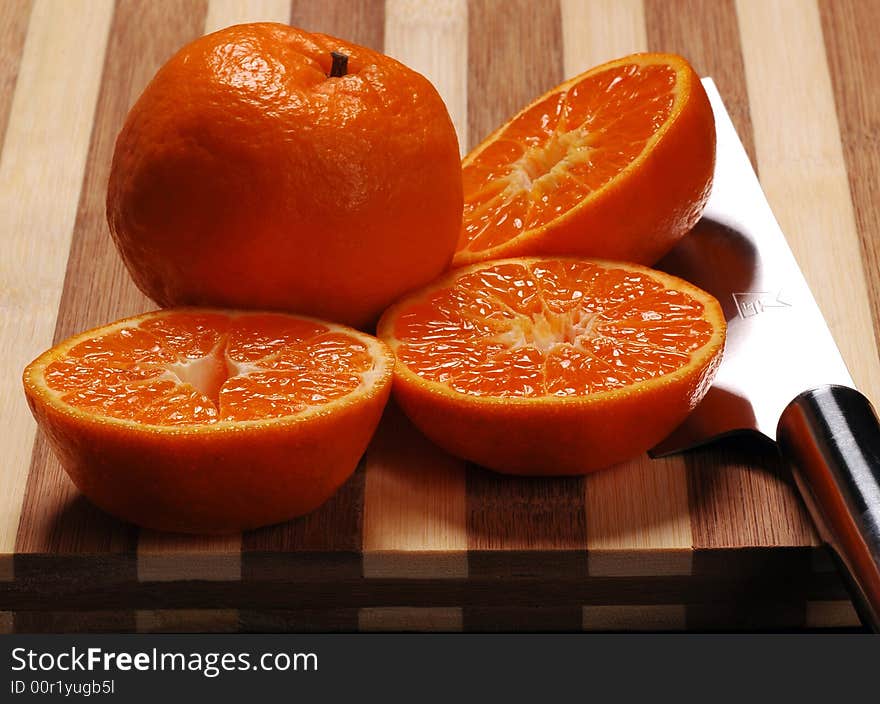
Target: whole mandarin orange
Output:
{"points": [[247, 176]]}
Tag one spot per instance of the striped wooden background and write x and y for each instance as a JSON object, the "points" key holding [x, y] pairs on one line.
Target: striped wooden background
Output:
{"points": [[418, 540]]}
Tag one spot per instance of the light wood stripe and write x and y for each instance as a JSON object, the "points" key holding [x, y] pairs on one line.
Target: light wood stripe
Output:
{"points": [[56, 518], [403, 618], [803, 171], [40, 177], [14, 16], [642, 505], [136, 48], [831, 614], [414, 505], [748, 492], [853, 56], [432, 39], [223, 13], [7, 622], [638, 519], [600, 30]]}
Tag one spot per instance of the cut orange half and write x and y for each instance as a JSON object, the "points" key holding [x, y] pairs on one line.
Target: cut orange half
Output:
{"points": [[208, 421], [553, 366], [615, 163]]}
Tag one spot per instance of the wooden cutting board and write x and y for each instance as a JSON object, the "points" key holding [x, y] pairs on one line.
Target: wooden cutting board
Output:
{"points": [[418, 539]]}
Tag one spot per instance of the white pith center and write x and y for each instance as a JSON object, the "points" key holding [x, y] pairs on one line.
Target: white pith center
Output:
{"points": [[543, 164], [206, 374], [545, 331]]}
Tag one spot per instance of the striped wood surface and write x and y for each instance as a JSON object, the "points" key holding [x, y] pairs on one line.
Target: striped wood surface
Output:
{"points": [[418, 539]]}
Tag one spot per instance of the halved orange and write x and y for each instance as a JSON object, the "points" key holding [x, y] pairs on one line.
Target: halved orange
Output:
{"points": [[553, 365], [207, 421], [615, 163]]}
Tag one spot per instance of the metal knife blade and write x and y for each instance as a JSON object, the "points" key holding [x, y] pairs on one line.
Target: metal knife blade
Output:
{"points": [[778, 343], [781, 374]]}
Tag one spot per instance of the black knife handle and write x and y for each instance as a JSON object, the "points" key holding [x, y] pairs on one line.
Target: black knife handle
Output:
{"points": [[831, 438]]}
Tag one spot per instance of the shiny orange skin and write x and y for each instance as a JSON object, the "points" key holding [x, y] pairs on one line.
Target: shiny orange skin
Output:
{"points": [[244, 177], [549, 435], [642, 212], [208, 479]]}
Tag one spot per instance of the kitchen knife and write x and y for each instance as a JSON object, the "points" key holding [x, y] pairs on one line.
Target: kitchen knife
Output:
{"points": [[782, 374]]}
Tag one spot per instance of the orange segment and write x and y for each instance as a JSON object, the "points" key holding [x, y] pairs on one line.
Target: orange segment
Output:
{"points": [[181, 405], [562, 176], [257, 336], [146, 414], [189, 335], [271, 395], [540, 365]]}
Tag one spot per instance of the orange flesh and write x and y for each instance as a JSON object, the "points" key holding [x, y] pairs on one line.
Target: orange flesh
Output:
{"points": [[561, 328], [553, 156], [187, 368]]}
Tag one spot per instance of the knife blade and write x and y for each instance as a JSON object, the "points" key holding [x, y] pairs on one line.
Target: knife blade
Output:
{"points": [[782, 374]]}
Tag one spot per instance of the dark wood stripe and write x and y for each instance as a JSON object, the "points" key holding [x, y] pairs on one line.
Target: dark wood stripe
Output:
{"points": [[552, 619], [325, 544], [853, 58], [327, 541], [86, 588], [793, 563], [14, 16], [514, 55], [741, 494], [706, 32], [746, 614], [525, 527], [358, 21], [97, 289], [188, 621], [74, 622], [103, 572], [302, 621]]}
